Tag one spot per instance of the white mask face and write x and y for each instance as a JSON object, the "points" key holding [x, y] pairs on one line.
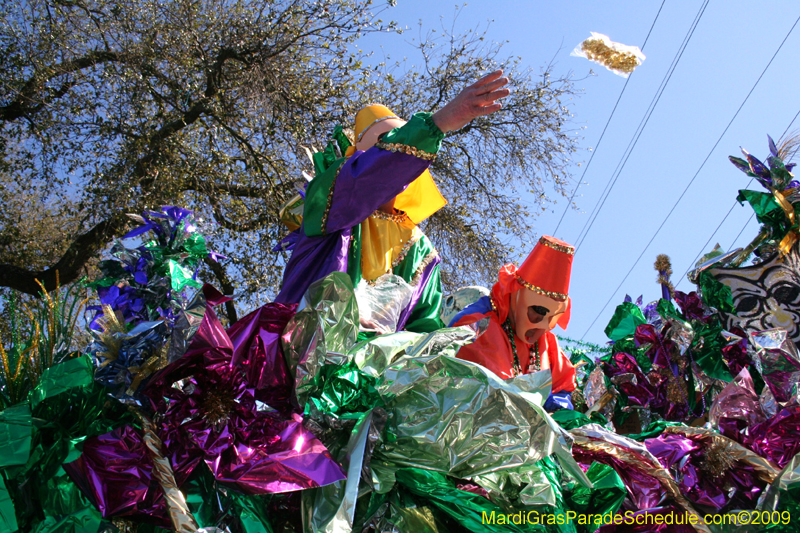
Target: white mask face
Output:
{"points": [[535, 314]]}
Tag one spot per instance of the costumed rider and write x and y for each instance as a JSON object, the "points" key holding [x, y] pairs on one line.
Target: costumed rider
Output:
{"points": [[514, 322], [361, 211]]}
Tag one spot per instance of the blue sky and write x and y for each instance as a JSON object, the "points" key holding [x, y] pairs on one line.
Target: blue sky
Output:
{"points": [[732, 44]]}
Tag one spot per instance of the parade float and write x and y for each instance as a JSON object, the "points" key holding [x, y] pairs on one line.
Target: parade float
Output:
{"points": [[292, 419]]}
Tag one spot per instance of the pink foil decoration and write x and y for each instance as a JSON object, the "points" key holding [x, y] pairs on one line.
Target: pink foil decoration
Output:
{"points": [[736, 408]]}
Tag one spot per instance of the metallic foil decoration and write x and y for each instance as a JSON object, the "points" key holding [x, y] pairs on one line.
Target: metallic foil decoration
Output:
{"points": [[636, 465], [681, 333], [712, 471], [458, 418], [179, 514], [737, 407], [595, 387], [765, 469], [331, 509], [788, 478], [768, 403], [444, 414], [716, 258], [325, 326], [778, 361], [189, 318]]}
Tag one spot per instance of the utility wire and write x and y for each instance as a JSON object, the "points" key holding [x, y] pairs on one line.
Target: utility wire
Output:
{"points": [[695, 175], [635, 139], [735, 203], [586, 168], [740, 232]]}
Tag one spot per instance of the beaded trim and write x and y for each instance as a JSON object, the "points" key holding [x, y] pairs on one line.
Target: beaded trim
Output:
{"points": [[422, 266], [406, 247], [397, 218], [534, 358], [406, 149], [569, 250], [375, 122], [324, 221], [534, 288]]}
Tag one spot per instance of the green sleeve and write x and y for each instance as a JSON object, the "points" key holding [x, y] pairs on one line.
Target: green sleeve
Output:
{"points": [[420, 132]]}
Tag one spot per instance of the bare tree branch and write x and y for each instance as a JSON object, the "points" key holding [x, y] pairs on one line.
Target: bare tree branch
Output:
{"points": [[69, 267]]}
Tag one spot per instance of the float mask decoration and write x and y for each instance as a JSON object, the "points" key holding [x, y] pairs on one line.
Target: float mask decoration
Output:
{"points": [[766, 294]]}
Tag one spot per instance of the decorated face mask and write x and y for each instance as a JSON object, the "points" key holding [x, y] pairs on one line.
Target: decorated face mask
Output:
{"points": [[535, 314], [766, 295]]}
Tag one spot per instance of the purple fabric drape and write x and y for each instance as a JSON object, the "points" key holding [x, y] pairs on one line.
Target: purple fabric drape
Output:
{"points": [[365, 182]]}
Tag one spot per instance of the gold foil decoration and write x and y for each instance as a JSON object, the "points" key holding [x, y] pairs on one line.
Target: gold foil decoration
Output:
{"points": [[110, 331], [790, 238], [616, 57], [152, 365], [179, 514]]}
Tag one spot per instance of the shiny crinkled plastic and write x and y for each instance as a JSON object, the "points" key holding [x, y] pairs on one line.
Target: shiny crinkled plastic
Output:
{"points": [[778, 361], [444, 414], [381, 302]]}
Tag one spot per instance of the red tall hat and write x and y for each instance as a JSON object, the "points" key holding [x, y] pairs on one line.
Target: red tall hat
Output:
{"points": [[547, 269]]}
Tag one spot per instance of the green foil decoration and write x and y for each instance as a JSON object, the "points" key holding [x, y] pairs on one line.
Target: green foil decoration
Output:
{"points": [[569, 419], [74, 373], [407, 402], [16, 428], [709, 355], [627, 316], [604, 499], [37, 437], [464, 507], [8, 519], [715, 294]]}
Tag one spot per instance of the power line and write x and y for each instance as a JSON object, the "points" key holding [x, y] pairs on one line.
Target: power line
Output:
{"points": [[735, 203], [637, 134], [740, 232], [566, 208], [693, 177]]}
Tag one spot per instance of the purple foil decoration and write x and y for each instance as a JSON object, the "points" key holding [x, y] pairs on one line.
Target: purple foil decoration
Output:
{"points": [[115, 473], [644, 491], [777, 438], [692, 306], [660, 349], [738, 414], [685, 457], [735, 352], [628, 378], [212, 407]]}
